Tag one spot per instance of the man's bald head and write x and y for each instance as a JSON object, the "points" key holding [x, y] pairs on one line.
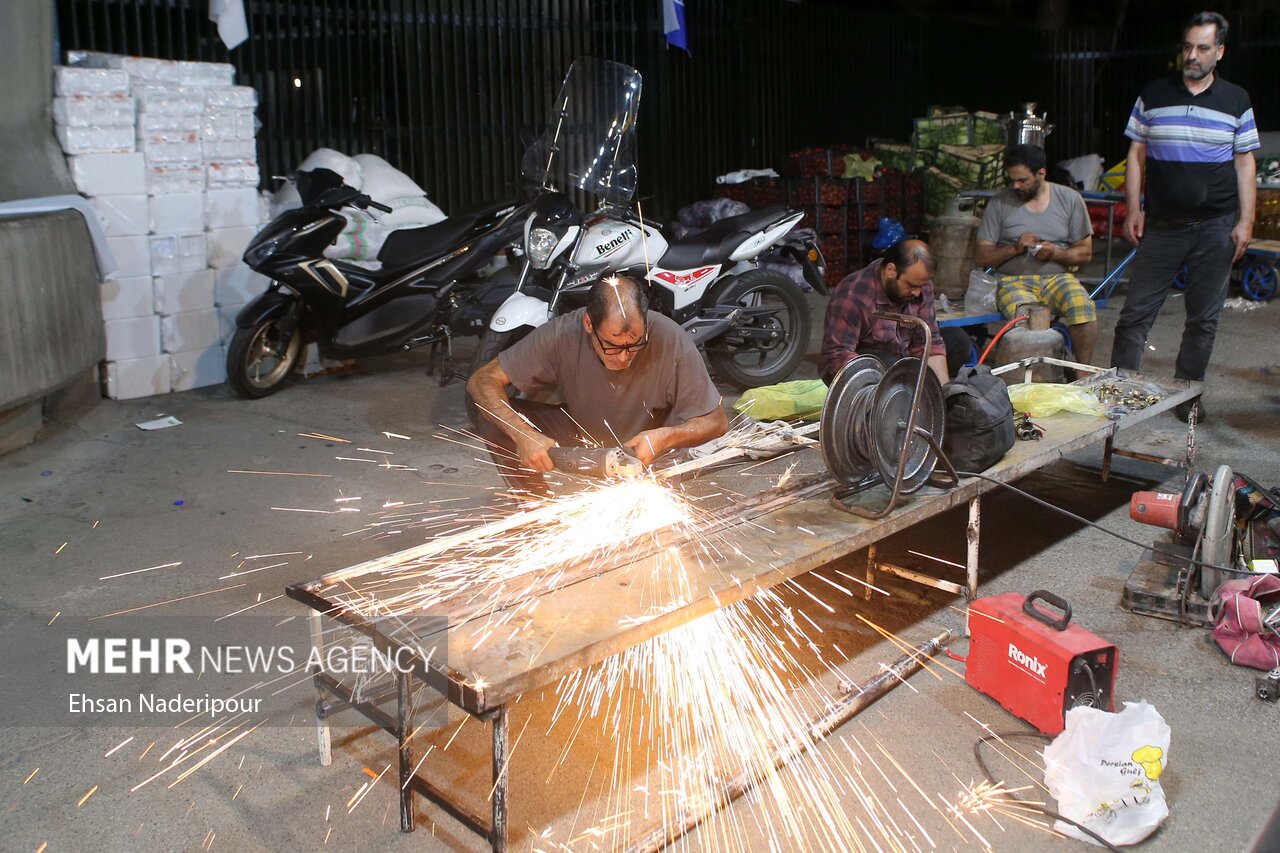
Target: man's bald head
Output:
{"points": [[618, 298]]}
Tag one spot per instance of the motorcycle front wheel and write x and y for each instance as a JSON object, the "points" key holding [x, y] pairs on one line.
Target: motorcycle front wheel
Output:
{"points": [[259, 363], [766, 346]]}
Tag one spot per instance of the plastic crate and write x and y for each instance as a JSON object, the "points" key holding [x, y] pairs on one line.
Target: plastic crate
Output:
{"points": [[939, 187], [819, 190], [987, 129], [815, 162], [979, 166], [763, 192], [948, 129], [825, 218]]}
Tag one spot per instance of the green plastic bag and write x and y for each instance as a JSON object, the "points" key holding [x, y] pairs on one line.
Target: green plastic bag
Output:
{"points": [[1041, 399], [800, 399]]}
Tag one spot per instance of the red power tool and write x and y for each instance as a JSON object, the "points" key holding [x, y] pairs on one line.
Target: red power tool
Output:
{"points": [[1200, 511], [1038, 665]]}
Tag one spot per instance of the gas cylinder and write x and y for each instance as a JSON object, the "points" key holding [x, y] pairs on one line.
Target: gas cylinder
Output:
{"points": [[952, 238], [1029, 340]]}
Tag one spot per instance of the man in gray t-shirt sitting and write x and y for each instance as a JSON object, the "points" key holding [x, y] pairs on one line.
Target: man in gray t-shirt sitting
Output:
{"points": [[629, 376], [1032, 234]]}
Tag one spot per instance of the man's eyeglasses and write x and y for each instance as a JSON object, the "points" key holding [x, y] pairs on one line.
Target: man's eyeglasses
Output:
{"points": [[614, 349]]}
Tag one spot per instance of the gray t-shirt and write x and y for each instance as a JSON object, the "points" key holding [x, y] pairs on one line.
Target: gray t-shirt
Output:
{"points": [[666, 385], [1064, 222]]}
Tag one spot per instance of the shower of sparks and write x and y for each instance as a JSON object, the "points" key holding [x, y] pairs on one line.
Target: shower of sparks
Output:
{"points": [[55, 618], [86, 797], [398, 435], [60, 547], [118, 746], [140, 571], [279, 473]]}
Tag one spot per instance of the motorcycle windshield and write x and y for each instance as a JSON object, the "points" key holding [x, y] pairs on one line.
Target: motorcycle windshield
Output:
{"points": [[589, 142]]}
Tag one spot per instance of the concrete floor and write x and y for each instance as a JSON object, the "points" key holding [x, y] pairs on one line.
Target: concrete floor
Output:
{"points": [[111, 492]]}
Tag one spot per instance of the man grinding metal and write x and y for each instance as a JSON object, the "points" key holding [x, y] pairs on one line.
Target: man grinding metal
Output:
{"points": [[629, 376]]}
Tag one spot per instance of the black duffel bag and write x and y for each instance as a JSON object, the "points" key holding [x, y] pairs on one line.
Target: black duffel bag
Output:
{"points": [[979, 419]]}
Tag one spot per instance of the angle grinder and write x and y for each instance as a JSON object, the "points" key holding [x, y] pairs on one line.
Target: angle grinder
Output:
{"points": [[1200, 510], [602, 462]]}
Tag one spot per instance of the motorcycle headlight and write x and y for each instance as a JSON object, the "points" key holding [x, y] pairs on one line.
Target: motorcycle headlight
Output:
{"points": [[258, 253], [541, 244]]}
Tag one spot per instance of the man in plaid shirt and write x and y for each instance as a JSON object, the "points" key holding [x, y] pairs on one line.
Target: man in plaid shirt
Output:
{"points": [[901, 283]]}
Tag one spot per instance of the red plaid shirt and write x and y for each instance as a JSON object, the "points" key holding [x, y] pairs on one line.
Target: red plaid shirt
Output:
{"points": [[850, 329]]}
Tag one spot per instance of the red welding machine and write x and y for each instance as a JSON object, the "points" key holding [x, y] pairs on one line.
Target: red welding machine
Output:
{"points": [[1036, 663]]}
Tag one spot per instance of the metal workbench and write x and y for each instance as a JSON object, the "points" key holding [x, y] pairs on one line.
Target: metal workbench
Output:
{"points": [[603, 610]]}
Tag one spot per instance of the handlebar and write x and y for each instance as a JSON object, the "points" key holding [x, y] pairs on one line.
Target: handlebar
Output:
{"points": [[364, 202]]}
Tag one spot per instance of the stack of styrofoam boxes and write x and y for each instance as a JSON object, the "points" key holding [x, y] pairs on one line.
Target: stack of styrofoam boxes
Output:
{"points": [[92, 107], [233, 207], [169, 118]]}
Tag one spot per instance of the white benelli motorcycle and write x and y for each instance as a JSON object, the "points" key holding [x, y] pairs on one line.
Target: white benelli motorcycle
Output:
{"points": [[753, 323]]}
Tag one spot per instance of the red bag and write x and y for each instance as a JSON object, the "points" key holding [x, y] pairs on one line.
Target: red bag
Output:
{"points": [[1238, 610]]}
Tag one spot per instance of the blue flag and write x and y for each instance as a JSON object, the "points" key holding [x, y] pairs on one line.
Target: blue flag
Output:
{"points": [[673, 24]]}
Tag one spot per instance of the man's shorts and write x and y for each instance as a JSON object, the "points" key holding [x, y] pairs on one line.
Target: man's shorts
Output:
{"points": [[1063, 293]]}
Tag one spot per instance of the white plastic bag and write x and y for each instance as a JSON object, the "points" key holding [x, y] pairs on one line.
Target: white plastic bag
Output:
{"points": [[1104, 771]]}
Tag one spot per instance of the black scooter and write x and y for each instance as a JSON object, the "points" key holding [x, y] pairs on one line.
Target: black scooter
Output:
{"points": [[427, 290]]}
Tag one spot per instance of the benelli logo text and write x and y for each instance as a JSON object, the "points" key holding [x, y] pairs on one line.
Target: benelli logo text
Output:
{"points": [[1026, 661], [608, 246], [133, 656]]}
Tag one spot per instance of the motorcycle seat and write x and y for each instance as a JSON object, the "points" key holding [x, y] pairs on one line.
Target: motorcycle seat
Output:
{"points": [[407, 246], [715, 244]]}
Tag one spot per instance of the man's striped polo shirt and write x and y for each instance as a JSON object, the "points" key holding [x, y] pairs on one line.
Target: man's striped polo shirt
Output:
{"points": [[1191, 141]]}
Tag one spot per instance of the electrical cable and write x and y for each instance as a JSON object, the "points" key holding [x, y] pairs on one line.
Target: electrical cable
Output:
{"points": [[986, 771]]}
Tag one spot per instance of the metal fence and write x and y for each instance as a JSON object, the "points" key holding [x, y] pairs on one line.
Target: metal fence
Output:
{"points": [[451, 91]]}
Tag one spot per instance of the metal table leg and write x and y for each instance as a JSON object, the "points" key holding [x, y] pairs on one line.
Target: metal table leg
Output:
{"points": [[498, 829], [322, 723], [972, 538], [404, 735], [871, 571]]}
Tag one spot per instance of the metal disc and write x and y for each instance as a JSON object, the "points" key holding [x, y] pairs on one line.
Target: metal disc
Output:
{"points": [[836, 430], [1219, 521], [889, 414]]}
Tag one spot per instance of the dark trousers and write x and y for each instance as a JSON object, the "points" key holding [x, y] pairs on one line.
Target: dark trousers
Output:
{"points": [[551, 421], [1205, 248]]}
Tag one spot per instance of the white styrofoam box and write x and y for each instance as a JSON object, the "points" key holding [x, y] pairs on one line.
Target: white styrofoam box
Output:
{"points": [[206, 74], [109, 174], [128, 379], [134, 337], [237, 97], [123, 298], [148, 71], [226, 245], [232, 208], [153, 123], [189, 330], [227, 321], [95, 140], [198, 368], [92, 59], [173, 152], [237, 285], [166, 178], [176, 213], [122, 215], [132, 254], [185, 291], [230, 149], [88, 81], [227, 123], [175, 253], [94, 110], [229, 174], [169, 100]]}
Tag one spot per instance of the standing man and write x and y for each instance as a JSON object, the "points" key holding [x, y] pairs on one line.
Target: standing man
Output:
{"points": [[1033, 233], [900, 283], [1193, 135], [628, 376]]}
